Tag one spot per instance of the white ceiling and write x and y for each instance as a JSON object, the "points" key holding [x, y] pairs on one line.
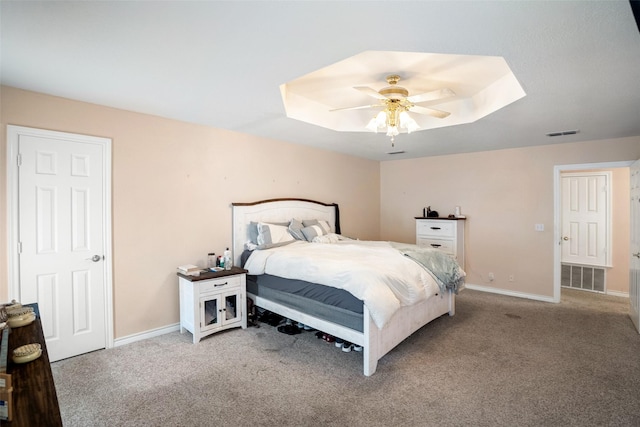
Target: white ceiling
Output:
{"points": [[220, 63]]}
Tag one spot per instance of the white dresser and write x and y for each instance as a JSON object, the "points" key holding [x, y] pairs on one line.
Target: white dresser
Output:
{"points": [[444, 234]]}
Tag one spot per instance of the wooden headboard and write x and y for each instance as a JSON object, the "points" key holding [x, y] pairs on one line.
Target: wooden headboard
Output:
{"points": [[278, 210]]}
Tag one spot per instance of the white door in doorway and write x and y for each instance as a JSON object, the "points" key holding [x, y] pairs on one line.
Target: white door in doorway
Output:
{"points": [[634, 264], [63, 233], [585, 216]]}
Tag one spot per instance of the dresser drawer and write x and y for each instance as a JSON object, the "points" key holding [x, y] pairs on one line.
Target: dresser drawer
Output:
{"points": [[447, 246], [436, 228], [220, 284]]}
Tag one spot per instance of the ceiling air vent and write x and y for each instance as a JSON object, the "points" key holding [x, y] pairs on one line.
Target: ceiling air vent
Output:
{"points": [[563, 133], [395, 152]]}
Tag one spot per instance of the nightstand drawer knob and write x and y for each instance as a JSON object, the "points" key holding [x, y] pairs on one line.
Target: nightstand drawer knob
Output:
{"points": [[433, 245], [435, 228], [220, 284]]}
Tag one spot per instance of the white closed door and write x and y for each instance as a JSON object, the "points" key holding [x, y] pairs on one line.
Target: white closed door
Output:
{"points": [[584, 218], [62, 238], [634, 263]]}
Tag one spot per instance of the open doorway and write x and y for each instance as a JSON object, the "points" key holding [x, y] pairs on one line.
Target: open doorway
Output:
{"points": [[587, 212], [615, 268]]}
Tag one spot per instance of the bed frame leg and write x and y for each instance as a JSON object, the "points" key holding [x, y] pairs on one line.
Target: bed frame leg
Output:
{"points": [[370, 364], [452, 303], [370, 350]]}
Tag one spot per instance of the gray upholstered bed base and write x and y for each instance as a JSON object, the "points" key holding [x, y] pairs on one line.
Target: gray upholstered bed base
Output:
{"points": [[292, 294]]}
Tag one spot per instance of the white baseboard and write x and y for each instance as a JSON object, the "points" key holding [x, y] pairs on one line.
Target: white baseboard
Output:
{"points": [[618, 294], [145, 335], [508, 293], [176, 327]]}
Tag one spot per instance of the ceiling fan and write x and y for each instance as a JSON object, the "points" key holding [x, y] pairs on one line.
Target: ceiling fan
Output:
{"points": [[396, 104]]}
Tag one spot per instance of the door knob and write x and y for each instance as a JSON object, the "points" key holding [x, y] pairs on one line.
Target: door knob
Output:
{"points": [[637, 255], [94, 258], [565, 238]]}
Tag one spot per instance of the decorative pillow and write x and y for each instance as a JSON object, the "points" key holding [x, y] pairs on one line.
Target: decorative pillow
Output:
{"points": [[253, 230], [271, 234], [313, 231], [322, 223], [295, 228]]}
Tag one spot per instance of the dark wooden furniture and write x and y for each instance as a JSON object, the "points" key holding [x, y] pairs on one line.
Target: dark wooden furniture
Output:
{"points": [[214, 274], [35, 402]]}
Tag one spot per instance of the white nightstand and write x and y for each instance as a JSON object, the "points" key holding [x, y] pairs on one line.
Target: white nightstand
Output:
{"points": [[213, 302]]}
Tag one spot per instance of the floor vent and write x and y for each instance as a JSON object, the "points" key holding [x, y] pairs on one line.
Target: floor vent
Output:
{"points": [[583, 277]]}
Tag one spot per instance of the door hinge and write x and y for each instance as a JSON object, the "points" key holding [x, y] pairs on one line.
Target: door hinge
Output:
{"points": [[19, 247], [19, 160]]}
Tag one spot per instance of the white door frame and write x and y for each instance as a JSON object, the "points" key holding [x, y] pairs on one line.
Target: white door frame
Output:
{"points": [[557, 212], [13, 260]]}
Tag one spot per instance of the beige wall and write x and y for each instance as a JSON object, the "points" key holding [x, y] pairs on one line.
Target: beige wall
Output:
{"points": [[503, 194], [618, 276], [173, 183]]}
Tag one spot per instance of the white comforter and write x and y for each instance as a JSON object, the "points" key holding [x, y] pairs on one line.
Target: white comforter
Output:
{"points": [[374, 272]]}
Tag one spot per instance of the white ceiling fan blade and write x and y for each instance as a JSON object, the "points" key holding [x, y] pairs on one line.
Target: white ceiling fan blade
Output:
{"points": [[369, 91], [360, 107], [429, 111], [431, 96]]}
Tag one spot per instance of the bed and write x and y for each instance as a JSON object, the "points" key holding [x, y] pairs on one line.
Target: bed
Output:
{"points": [[378, 326]]}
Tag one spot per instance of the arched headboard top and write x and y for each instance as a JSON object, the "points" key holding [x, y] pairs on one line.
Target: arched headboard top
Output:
{"points": [[278, 211]]}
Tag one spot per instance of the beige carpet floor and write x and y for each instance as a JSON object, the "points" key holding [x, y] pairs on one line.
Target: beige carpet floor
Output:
{"points": [[500, 361]]}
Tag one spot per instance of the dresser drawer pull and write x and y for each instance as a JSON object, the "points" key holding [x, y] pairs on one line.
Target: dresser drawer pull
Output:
{"points": [[220, 284], [435, 228], [433, 245]]}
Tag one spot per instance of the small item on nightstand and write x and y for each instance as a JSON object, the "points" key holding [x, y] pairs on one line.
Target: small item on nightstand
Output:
{"points": [[189, 270], [211, 260], [221, 261], [227, 259]]}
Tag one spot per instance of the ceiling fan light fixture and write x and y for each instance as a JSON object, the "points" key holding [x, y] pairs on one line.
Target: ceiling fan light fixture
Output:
{"points": [[372, 125], [379, 122], [392, 131], [407, 122]]}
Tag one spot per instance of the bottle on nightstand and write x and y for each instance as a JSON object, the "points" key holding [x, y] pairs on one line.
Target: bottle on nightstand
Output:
{"points": [[228, 263]]}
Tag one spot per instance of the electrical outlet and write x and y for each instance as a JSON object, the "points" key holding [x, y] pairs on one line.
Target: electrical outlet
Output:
{"points": [[539, 227], [511, 278], [491, 277]]}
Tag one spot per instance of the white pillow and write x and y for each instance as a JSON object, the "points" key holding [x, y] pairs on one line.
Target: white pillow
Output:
{"points": [[330, 238]]}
